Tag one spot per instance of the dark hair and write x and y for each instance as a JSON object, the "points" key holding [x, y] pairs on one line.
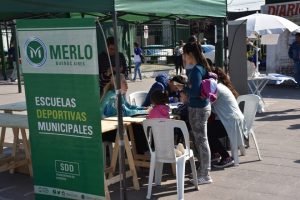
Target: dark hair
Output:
{"points": [[110, 41], [297, 34], [196, 51], [178, 79], [223, 78], [136, 44], [159, 97], [192, 39]]}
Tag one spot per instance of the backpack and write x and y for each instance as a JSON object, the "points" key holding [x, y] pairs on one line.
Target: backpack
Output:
{"points": [[208, 89]]}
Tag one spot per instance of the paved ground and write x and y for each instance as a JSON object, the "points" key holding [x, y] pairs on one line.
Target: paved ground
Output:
{"points": [[277, 177]]}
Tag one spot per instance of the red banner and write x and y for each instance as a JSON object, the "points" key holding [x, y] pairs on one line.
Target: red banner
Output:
{"points": [[283, 9]]}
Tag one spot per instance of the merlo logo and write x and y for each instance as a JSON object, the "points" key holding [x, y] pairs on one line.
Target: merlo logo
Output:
{"points": [[35, 52]]}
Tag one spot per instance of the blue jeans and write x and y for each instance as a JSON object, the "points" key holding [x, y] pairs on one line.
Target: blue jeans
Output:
{"points": [[297, 72], [137, 69], [14, 74]]}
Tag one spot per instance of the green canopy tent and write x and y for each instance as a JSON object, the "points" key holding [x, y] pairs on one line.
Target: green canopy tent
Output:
{"points": [[128, 10], [160, 8]]}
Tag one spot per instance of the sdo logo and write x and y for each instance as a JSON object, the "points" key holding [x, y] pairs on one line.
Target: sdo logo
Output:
{"points": [[35, 52]]}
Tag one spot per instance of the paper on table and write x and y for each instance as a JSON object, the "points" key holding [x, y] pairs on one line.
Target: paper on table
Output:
{"points": [[175, 105], [270, 39]]}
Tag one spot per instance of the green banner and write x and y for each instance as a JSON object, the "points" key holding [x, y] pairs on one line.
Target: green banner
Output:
{"points": [[60, 66]]}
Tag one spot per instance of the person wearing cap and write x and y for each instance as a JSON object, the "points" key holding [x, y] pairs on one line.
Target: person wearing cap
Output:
{"points": [[294, 53], [163, 83]]}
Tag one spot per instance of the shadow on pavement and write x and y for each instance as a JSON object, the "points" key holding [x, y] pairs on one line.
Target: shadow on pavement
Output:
{"points": [[297, 161], [250, 161], [276, 112], [294, 126], [279, 118], [281, 92]]}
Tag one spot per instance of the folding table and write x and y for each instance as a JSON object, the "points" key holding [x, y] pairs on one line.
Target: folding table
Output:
{"points": [[10, 108], [16, 122], [257, 84], [109, 125]]}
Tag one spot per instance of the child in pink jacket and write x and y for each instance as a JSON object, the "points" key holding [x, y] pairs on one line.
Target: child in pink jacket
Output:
{"points": [[160, 109]]}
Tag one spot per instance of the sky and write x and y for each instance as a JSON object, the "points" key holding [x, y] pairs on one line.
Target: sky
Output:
{"points": [[244, 5]]}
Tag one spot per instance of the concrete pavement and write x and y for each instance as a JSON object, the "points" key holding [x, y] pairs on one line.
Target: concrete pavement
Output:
{"points": [[276, 177]]}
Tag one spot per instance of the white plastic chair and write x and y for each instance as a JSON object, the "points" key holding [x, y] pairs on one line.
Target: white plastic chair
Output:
{"points": [[251, 103], [162, 132], [137, 98]]}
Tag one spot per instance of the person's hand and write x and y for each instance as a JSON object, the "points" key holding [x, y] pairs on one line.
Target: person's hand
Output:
{"points": [[179, 87], [145, 108], [108, 72], [183, 97], [148, 109]]}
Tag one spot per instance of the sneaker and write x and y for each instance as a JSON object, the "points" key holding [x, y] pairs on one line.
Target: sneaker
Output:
{"points": [[204, 180], [224, 163], [215, 157]]}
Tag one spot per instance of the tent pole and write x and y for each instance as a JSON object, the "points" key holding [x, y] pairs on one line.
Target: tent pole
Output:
{"points": [[129, 48], [219, 57], [2, 56], [16, 45], [7, 43], [120, 114], [257, 49], [226, 45], [175, 39], [6, 32]]}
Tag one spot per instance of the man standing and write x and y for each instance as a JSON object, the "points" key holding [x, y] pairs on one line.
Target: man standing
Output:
{"points": [[294, 53], [178, 58], [104, 67], [12, 56]]}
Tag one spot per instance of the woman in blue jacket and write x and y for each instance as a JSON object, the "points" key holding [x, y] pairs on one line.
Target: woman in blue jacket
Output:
{"points": [[199, 109]]}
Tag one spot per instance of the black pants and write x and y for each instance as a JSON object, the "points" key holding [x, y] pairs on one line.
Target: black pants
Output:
{"points": [[215, 131], [141, 142], [178, 64]]}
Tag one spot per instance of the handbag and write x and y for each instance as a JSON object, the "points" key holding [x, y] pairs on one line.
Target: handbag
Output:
{"points": [[142, 58]]}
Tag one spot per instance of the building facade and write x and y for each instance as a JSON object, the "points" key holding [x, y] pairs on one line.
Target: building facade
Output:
{"points": [[277, 55]]}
